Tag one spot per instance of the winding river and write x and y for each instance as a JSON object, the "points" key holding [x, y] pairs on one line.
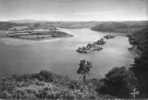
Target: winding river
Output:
{"points": [[59, 55]]}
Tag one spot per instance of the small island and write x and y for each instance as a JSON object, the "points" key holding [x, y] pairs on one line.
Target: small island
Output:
{"points": [[109, 36], [39, 35], [96, 46], [36, 33]]}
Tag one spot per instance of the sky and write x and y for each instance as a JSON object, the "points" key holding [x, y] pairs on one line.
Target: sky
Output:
{"points": [[74, 10]]}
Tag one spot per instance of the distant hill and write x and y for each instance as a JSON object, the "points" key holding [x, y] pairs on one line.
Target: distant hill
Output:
{"points": [[7, 25], [25, 21], [120, 27], [46, 24]]}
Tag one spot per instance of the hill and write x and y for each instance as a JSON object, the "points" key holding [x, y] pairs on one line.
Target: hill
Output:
{"points": [[46, 85], [120, 27]]}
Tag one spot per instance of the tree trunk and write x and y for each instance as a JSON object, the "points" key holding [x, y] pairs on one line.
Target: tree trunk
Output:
{"points": [[84, 78]]}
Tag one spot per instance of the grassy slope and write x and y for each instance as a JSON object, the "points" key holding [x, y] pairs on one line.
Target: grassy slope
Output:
{"points": [[46, 85]]}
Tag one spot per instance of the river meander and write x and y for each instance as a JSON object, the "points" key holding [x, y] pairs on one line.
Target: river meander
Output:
{"points": [[59, 55]]}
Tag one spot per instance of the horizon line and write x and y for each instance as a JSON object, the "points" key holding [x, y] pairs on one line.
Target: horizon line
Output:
{"points": [[11, 20]]}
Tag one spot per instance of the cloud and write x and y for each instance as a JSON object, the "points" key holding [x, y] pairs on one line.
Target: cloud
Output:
{"points": [[74, 9]]}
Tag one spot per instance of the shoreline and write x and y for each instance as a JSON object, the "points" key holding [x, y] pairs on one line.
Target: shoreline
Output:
{"points": [[134, 49], [43, 39]]}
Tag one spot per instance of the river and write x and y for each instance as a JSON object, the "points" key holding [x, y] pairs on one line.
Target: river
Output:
{"points": [[59, 55]]}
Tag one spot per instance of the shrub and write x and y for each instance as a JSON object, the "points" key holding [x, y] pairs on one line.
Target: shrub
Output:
{"points": [[118, 82]]}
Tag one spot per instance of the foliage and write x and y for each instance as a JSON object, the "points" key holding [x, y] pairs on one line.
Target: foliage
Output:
{"points": [[84, 68], [138, 37], [118, 82], [120, 27], [140, 68], [44, 85]]}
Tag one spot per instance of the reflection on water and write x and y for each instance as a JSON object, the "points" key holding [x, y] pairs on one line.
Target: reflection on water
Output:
{"points": [[58, 55]]}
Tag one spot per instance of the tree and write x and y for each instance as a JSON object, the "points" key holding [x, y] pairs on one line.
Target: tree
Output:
{"points": [[84, 68], [118, 82]]}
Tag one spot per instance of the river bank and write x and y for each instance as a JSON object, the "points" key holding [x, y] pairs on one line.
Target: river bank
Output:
{"points": [[139, 40]]}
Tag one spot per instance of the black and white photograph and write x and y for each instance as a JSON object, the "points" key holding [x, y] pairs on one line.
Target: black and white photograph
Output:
{"points": [[73, 49]]}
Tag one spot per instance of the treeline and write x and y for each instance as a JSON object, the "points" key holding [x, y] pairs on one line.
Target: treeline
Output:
{"points": [[120, 27]]}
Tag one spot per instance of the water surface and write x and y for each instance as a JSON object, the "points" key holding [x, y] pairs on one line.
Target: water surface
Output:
{"points": [[58, 55]]}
